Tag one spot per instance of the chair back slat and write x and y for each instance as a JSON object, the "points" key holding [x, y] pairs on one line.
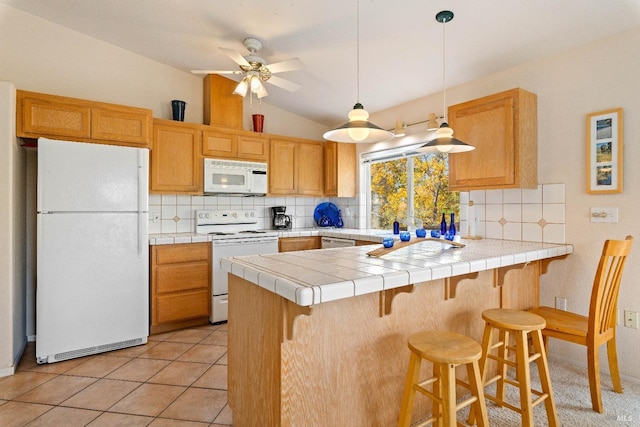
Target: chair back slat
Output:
{"points": [[606, 286]]}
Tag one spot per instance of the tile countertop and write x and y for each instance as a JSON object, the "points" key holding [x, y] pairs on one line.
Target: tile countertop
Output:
{"points": [[304, 277], [372, 235]]}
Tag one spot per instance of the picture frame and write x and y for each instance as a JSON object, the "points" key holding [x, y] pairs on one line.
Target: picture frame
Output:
{"points": [[604, 152]]}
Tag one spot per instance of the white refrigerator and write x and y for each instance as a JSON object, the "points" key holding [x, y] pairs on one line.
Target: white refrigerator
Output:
{"points": [[92, 291]]}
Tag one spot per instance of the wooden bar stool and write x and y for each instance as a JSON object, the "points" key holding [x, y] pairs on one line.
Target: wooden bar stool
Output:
{"points": [[519, 324], [446, 350]]}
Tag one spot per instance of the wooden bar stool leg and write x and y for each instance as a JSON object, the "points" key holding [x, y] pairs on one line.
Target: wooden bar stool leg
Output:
{"points": [[448, 397], [409, 394], [612, 355], [503, 354], [524, 378], [545, 379], [479, 408], [487, 337], [593, 363], [437, 390]]}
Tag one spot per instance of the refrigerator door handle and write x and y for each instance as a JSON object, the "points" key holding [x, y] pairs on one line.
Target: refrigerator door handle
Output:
{"points": [[142, 189]]}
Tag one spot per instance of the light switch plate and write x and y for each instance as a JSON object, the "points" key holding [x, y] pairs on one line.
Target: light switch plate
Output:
{"points": [[604, 214]]}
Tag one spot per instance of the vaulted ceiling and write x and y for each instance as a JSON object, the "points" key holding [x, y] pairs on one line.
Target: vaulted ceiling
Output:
{"points": [[400, 41]]}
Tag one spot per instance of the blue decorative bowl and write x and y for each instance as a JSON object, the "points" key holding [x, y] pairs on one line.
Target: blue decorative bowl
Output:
{"points": [[421, 232], [405, 236], [387, 242], [435, 233]]}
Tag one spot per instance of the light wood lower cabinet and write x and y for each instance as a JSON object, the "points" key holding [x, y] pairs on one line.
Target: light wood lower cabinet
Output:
{"points": [[59, 117], [176, 158], [180, 285], [290, 244]]}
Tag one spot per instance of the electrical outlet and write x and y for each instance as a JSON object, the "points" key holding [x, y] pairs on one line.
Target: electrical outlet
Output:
{"points": [[631, 319], [561, 303]]}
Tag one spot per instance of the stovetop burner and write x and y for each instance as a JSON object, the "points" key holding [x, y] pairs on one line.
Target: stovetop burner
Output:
{"points": [[253, 231], [220, 233]]}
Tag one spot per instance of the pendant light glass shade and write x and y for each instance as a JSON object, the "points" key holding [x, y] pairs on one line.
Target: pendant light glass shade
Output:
{"points": [[358, 129], [444, 141]]}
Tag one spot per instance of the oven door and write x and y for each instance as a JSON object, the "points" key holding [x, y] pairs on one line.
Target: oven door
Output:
{"points": [[224, 248], [226, 180]]}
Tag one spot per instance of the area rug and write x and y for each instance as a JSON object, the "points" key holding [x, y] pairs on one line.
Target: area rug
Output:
{"points": [[573, 400]]}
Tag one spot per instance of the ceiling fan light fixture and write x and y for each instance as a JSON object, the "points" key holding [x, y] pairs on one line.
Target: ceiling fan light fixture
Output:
{"points": [[242, 87]]}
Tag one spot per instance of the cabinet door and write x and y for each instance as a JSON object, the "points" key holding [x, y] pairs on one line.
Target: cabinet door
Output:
{"points": [[219, 144], [339, 169], [53, 116], [176, 159], [503, 129], [253, 148], [310, 169], [282, 167], [130, 126], [290, 244]]}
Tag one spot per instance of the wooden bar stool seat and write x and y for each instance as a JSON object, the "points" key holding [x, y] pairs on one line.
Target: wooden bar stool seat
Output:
{"points": [[446, 351], [519, 325]]}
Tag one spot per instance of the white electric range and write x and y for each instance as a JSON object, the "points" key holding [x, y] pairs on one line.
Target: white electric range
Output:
{"points": [[234, 232]]}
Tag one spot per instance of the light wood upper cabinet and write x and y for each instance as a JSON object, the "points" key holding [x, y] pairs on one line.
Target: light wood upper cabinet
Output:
{"points": [[231, 144], [52, 116], [339, 169], [503, 128], [295, 167], [176, 158], [283, 167]]}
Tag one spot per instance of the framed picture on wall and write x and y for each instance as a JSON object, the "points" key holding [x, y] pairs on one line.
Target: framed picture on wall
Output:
{"points": [[604, 152]]}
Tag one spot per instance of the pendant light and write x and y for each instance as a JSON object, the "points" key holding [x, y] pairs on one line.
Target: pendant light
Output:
{"points": [[358, 128], [444, 141]]}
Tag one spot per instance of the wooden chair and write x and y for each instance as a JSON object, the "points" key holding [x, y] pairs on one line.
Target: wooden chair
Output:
{"points": [[600, 326]]}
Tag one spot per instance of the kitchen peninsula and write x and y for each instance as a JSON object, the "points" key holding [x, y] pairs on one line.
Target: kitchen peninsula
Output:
{"points": [[319, 337]]}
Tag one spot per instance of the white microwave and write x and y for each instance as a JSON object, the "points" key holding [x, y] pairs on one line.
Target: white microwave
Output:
{"points": [[236, 178]]}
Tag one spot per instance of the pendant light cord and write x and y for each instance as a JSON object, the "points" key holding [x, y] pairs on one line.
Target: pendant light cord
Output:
{"points": [[444, 83], [358, 50]]}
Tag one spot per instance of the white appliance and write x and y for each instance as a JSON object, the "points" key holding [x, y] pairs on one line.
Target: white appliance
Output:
{"points": [[336, 242], [92, 290], [233, 233], [232, 177]]}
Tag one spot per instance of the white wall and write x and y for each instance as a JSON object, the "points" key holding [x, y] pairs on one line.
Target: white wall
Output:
{"points": [[595, 77], [39, 56]]}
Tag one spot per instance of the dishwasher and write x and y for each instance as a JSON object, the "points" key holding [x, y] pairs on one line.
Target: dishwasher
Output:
{"points": [[336, 242]]}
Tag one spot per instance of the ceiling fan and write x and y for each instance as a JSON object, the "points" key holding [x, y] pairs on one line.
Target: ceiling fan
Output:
{"points": [[256, 70]]}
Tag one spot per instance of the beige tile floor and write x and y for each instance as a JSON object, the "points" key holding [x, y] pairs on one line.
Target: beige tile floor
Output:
{"points": [[177, 379]]}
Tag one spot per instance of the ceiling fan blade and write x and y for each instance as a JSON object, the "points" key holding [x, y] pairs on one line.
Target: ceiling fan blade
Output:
{"points": [[237, 58], [284, 84], [216, 72], [288, 65]]}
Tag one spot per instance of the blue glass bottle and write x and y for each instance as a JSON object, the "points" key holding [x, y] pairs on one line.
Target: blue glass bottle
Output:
{"points": [[339, 221], [443, 226], [451, 232]]}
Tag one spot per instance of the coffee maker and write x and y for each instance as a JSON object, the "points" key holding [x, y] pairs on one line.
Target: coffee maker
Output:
{"points": [[279, 219]]}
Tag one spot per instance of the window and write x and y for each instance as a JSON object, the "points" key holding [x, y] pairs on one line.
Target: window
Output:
{"points": [[412, 188]]}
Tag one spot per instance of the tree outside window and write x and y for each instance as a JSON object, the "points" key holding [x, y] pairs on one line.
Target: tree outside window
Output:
{"points": [[415, 190]]}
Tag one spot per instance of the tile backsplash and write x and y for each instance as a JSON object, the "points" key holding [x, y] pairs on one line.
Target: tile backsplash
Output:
{"points": [[176, 212], [533, 215]]}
